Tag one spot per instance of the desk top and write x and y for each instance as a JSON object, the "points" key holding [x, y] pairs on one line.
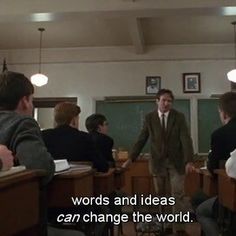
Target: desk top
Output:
{"points": [[204, 172], [73, 174], [222, 173], [111, 171], [8, 180]]}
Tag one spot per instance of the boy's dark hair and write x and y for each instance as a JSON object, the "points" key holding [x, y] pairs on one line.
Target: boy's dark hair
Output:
{"points": [[227, 103], [164, 91], [64, 112], [92, 122], [13, 87]]}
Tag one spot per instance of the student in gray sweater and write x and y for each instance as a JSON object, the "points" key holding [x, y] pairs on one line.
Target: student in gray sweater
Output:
{"points": [[18, 130]]}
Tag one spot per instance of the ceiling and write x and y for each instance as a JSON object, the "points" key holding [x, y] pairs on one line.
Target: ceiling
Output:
{"points": [[106, 23]]}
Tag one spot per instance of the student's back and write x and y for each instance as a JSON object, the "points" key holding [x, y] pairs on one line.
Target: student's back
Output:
{"points": [[97, 127], [73, 145], [103, 144], [66, 141], [223, 142]]}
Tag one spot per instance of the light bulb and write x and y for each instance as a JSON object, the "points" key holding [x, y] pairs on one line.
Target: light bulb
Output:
{"points": [[39, 79], [232, 75]]}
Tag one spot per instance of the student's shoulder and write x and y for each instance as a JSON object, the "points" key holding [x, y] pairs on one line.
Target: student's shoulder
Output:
{"points": [[14, 116], [46, 132], [219, 133], [225, 130], [21, 120], [82, 134], [105, 138]]}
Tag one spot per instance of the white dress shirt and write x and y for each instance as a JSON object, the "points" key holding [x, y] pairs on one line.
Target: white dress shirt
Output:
{"points": [[230, 165]]}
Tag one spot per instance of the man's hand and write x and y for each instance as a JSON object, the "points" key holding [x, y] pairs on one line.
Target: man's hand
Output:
{"points": [[126, 164], [6, 157], [189, 168]]}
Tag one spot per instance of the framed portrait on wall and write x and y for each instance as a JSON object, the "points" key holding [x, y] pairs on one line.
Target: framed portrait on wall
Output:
{"points": [[153, 84], [191, 83]]}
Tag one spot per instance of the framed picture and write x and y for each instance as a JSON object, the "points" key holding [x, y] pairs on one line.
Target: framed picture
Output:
{"points": [[191, 83], [153, 84]]}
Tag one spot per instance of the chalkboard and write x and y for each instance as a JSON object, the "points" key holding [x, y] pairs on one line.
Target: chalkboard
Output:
{"points": [[126, 118], [208, 121]]}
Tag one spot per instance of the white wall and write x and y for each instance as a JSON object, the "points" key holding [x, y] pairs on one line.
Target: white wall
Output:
{"points": [[119, 72]]}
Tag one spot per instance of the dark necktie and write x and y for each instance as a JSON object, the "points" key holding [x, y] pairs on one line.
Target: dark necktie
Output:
{"points": [[163, 123], [163, 136]]}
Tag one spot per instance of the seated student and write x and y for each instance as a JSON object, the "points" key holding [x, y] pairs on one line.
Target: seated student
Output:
{"points": [[97, 127], [66, 141], [6, 158], [223, 141], [230, 165], [19, 131]]}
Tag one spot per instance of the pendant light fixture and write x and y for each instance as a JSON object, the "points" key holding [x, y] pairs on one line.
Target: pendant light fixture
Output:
{"points": [[39, 79], [4, 66], [232, 74]]}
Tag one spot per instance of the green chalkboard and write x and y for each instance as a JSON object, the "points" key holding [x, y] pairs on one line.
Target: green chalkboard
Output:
{"points": [[208, 121], [126, 118]]}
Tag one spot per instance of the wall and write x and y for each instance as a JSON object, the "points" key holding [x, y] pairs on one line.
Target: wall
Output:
{"points": [[92, 73]]}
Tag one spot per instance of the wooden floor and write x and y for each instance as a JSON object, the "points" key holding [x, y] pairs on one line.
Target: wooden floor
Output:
{"points": [[192, 229]]}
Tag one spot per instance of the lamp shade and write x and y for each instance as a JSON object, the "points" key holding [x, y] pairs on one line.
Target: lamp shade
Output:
{"points": [[232, 75], [39, 79]]}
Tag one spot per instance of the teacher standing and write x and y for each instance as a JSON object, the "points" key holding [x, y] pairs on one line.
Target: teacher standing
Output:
{"points": [[171, 151]]}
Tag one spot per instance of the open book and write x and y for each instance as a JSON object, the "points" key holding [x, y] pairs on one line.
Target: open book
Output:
{"points": [[13, 170], [63, 165]]}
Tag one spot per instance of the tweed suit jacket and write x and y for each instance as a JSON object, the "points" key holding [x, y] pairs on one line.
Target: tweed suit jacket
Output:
{"points": [[178, 141]]}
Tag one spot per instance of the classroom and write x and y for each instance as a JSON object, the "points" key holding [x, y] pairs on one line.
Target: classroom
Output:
{"points": [[112, 57]]}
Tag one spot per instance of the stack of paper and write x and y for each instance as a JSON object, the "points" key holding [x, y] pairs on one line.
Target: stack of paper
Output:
{"points": [[13, 170], [80, 167], [61, 165]]}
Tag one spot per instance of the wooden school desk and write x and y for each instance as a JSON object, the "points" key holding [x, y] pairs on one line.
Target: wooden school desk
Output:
{"points": [[200, 179], [209, 185], [193, 183], [119, 178], [73, 183], [19, 203], [104, 182], [138, 169], [226, 190]]}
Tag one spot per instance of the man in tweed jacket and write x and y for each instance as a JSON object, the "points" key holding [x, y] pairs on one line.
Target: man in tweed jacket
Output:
{"points": [[171, 150]]}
